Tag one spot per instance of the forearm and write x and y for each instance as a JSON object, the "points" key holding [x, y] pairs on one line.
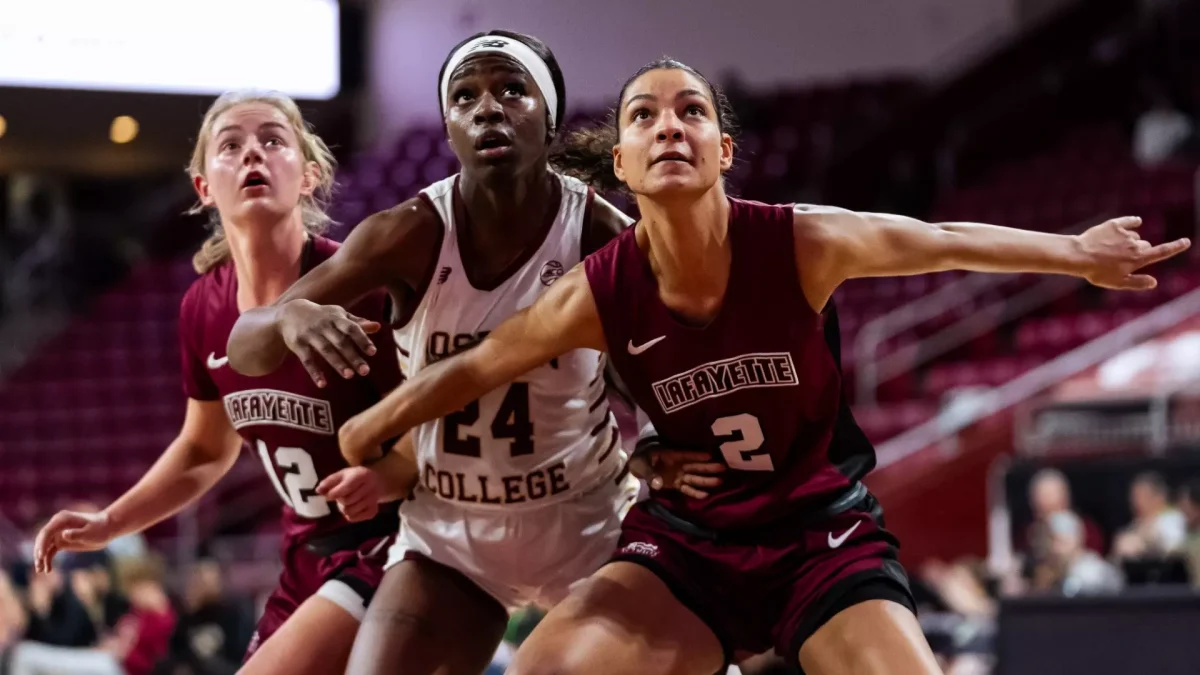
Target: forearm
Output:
{"points": [[990, 248], [397, 473], [439, 390], [255, 346], [180, 476]]}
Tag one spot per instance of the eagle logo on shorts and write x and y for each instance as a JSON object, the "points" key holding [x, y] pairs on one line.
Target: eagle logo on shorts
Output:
{"points": [[641, 548], [551, 271]]}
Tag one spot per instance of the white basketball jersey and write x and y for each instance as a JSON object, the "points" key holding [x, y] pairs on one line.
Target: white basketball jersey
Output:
{"points": [[547, 436]]}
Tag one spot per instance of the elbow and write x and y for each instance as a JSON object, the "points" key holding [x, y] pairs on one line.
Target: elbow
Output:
{"points": [[246, 352], [241, 360]]}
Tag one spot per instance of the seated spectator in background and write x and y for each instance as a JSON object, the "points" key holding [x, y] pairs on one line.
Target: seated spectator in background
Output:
{"points": [[1050, 493], [12, 614], [1072, 568], [1161, 133], [214, 628], [138, 642], [1190, 505], [1158, 529], [142, 637], [74, 605]]}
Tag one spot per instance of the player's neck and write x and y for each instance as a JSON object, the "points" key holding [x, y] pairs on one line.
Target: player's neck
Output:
{"points": [[506, 207], [266, 259], [689, 242]]}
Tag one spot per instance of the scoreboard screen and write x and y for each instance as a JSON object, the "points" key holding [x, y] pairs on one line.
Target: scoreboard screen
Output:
{"points": [[199, 47]]}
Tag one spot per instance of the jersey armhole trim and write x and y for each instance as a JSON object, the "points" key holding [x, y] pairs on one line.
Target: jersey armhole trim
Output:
{"points": [[606, 257], [793, 266], [420, 291]]}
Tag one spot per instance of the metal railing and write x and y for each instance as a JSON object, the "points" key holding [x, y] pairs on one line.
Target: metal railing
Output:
{"points": [[1048, 374], [873, 370]]}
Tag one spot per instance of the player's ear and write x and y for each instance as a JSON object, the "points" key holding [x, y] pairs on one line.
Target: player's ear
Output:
{"points": [[201, 186], [726, 152], [618, 167], [312, 178]]}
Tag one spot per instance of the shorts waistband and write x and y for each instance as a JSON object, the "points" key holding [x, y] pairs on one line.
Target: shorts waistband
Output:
{"points": [[355, 535], [849, 498]]}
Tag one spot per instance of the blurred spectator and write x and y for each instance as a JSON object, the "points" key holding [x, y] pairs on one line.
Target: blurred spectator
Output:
{"points": [[1158, 529], [139, 641], [75, 604], [1049, 494], [214, 628], [1190, 504], [1161, 133], [1072, 568], [56, 616], [142, 636], [12, 614]]}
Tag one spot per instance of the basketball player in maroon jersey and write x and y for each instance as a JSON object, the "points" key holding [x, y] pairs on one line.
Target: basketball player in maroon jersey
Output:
{"points": [[264, 177], [711, 309]]}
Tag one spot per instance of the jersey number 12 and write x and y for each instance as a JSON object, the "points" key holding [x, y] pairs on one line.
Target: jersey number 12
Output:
{"points": [[298, 488]]}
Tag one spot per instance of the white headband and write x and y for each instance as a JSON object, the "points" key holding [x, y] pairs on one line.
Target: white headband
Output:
{"points": [[514, 49]]}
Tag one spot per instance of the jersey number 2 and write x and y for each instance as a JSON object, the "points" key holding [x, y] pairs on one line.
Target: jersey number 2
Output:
{"points": [[298, 489], [744, 450], [512, 422]]}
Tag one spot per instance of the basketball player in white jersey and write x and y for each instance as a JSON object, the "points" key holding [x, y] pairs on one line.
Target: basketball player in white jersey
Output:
{"points": [[521, 493]]}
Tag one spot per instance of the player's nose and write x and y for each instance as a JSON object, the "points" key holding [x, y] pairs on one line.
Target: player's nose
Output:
{"points": [[252, 153], [488, 109], [669, 127]]}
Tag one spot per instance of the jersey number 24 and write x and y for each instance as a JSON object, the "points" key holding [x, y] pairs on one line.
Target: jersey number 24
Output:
{"points": [[511, 422]]}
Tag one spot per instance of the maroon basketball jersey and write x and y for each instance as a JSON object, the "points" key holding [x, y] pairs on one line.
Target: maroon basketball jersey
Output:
{"points": [[758, 386], [286, 420]]}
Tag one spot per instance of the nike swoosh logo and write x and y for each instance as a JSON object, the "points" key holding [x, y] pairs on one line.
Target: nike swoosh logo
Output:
{"points": [[835, 542], [635, 350], [214, 362]]}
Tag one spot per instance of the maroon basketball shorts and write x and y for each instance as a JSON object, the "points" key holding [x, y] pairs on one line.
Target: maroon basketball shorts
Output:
{"points": [[347, 578], [775, 586]]}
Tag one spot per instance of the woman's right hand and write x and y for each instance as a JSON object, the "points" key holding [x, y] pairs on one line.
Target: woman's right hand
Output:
{"points": [[356, 490], [71, 531], [328, 333], [690, 472]]}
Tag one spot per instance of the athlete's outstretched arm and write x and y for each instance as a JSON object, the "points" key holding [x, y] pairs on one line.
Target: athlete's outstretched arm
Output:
{"points": [[564, 318], [389, 249], [204, 451], [833, 245]]}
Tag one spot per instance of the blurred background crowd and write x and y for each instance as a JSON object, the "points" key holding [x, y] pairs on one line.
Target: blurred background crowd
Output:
{"points": [[1038, 439]]}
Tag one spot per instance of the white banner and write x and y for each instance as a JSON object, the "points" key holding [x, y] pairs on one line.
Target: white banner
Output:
{"points": [[172, 46]]}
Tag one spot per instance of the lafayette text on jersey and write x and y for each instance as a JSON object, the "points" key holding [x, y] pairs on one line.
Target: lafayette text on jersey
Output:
{"points": [[759, 386], [288, 421], [547, 436]]}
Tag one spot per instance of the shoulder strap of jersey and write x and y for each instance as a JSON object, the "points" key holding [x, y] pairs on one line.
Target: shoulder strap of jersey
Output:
{"points": [[606, 271], [764, 235]]}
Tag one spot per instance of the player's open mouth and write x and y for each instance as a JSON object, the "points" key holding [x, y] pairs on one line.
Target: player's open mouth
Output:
{"points": [[493, 143], [255, 180]]}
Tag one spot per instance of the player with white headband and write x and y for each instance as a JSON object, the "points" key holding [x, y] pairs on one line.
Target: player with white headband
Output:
{"points": [[522, 492]]}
